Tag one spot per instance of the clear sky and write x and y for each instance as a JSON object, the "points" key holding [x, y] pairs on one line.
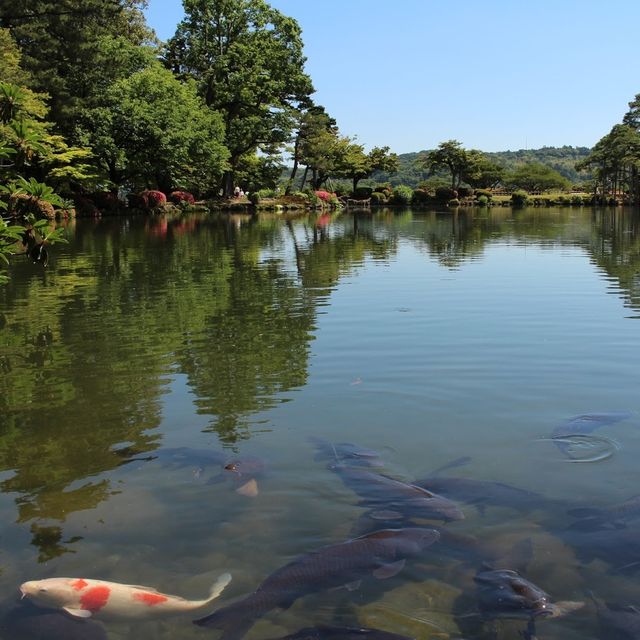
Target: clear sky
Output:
{"points": [[493, 74]]}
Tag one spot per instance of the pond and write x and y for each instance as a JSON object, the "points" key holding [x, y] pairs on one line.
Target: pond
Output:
{"points": [[154, 352]]}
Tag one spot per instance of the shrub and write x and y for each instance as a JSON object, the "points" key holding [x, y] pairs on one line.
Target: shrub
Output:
{"points": [[420, 196], [152, 198], [362, 193], [482, 200], [576, 200], [444, 194], [178, 197], [454, 202], [24, 204], [84, 206], [402, 195], [105, 200], [265, 193], [483, 192], [325, 196], [377, 197], [254, 197], [519, 198], [465, 192]]}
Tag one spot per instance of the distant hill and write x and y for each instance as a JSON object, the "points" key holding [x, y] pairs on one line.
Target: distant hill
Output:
{"points": [[562, 159]]}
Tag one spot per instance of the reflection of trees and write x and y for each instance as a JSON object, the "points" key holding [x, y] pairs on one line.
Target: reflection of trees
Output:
{"points": [[615, 248], [85, 347]]}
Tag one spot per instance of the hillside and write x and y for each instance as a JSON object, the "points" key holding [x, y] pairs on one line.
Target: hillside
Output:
{"points": [[562, 159]]}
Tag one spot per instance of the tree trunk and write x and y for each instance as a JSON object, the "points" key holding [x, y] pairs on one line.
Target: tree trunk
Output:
{"points": [[304, 177], [227, 183]]}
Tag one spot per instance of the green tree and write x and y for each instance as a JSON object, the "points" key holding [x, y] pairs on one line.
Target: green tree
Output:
{"points": [[480, 172], [449, 156], [535, 177], [248, 62], [154, 131], [358, 165], [59, 43]]}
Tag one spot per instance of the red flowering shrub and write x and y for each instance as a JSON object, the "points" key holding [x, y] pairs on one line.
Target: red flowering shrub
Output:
{"points": [[154, 198], [147, 199], [325, 196], [181, 196]]}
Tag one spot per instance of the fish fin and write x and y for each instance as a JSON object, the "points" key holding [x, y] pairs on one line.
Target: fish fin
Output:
{"points": [[77, 613], [565, 607], [385, 514], [389, 570], [353, 586], [249, 489], [458, 462], [218, 586]]}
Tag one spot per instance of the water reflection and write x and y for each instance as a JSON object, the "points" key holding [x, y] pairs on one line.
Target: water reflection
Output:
{"points": [[90, 346]]}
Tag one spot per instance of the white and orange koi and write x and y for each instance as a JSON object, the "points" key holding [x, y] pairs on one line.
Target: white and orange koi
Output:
{"points": [[84, 598]]}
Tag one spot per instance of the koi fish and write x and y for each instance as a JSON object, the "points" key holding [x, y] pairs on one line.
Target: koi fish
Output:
{"points": [[386, 495], [381, 554], [83, 598]]}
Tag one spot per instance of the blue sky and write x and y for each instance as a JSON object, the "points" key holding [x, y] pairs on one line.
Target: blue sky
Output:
{"points": [[493, 74]]}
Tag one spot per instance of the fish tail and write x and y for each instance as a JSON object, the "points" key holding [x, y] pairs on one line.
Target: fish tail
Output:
{"points": [[234, 621], [218, 587]]}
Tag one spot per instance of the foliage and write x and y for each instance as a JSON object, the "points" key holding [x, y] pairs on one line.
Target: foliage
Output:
{"points": [[179, 197], [420, 197], [377, 197], [325, 196], [402, 195], [358, 165], [449, 156], [535, 177], [519, 198], [247, 60], [61, 49], [152, 130]]}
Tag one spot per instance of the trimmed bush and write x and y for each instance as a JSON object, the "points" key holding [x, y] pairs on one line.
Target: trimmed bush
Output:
{"points": [[154, 198], [465, 192], [444, 194], [402, 195], [254, 197], [519, 198], [420, 196], [84, 206], [362, 193], [454, 202], [326, 196], [576, 200], [482, 200], [178, 197], [377, 197], [483, 192]]}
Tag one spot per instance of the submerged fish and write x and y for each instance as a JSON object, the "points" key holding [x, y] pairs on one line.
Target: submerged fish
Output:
{"points": [[29, 622], [243, 473], [381, 554], [575, 432], [617, 515], [618, 621], [588, 423], [340, 451], [83, 598], [503, 593], [342, 633], [382, 494]]}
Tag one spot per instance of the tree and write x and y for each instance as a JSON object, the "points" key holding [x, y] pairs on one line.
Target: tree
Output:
{"points": [[449, 156], [536, 177], [248, 62], [480, 172], [59, 43], [154, 131], [359, 165]]}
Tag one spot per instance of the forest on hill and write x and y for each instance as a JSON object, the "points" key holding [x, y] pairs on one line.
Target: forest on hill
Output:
{"points": [[561, 159]]}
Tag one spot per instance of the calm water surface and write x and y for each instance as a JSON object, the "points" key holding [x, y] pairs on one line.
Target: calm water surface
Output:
{"points": [[424, 336]]}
